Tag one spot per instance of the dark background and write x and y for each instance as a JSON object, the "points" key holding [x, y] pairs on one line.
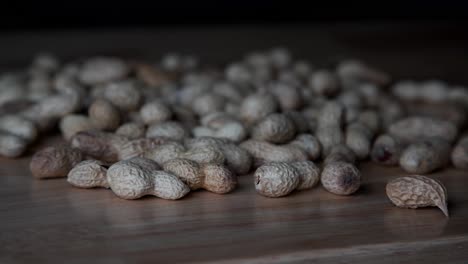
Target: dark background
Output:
{"points": [[90, 14]]}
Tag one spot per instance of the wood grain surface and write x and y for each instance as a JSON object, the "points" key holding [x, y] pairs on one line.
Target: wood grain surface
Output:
{"points": [[49, 221]]}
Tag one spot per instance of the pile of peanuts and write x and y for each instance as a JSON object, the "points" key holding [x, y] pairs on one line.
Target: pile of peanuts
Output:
{"points": [[176, 125]]}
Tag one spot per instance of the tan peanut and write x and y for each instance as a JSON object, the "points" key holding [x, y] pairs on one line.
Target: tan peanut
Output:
{"points": [[264, 152], [416, 128], [208, 103], [329, 131], [138, 147], [130, 180], [170, 129], [324, 82], [309, 144], [102, 69], [12, 146], [460, 154], [257, 106], [277, 179], [417, 191], [102, 146], [131, 130], [19, 126], [341, 178], [155, 112], [386, 150], [340, 153], [237, 159], [425, 156], [88, 174], [54, 162], [123, 94], [211, 177], [274, 128], [73, 123], [104, 115], [359, 139]]}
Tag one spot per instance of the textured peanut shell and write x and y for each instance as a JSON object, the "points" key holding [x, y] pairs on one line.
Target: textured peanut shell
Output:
{"points": [[212, 177], [12, 146], [137, 147], [386, 150], [102, 146], [425, 156], [275, 128], [54, 161], [309, 174], [263, 152], [309, 144], [130, 181], [460, 154], [341, 178], [417, 191], [413, 129], [276, 179], [207, 103], [88, 174], [104, 115], [233, 131], [123, 94], [237, 159]]}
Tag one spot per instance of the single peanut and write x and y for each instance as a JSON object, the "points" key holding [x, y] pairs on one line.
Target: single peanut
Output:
{"points": [[359, 139], [138, 147], [329, 131], [131, 130], [237, 159], [73, 123], [54, 162], [460, 154], [417, 191], [340, 153], [104, 115], [208, 103], [12, 146], [275, 128], [123, 94], [415, 128], [155, 112], [211, 177], [425, 156], [257, 106], [129, 180], [19, 126], [386, 150], [341, 178], [88, 174], [324, 82], [102, 146], [170, 129], [264, 152], [309, 144]]}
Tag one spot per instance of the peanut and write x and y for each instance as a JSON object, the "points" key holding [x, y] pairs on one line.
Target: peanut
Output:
{"points": [[460, 154], [386, 150], [277, 179], [324, 82], [130, 180], [288, 97], [257, 106], [425, 156], [329, 131], [72, 124], [170, 129], [417, 191], [131, 130], [138, 147], [211, 177], [123, 94], [359, 139], [102, 69], [415, 128], [102, 146], [155, 112], [340, 153], [19, 126], [237, 159], [275, 128], [264, 152], [208, 103], [54, 162], [309, 144], [12, 146], [88, 174], [357, 70], [341, 178], [104, 115]]}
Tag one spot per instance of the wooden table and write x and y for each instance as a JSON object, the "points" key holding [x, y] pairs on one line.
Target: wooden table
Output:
{"points": [[46, 221]]}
